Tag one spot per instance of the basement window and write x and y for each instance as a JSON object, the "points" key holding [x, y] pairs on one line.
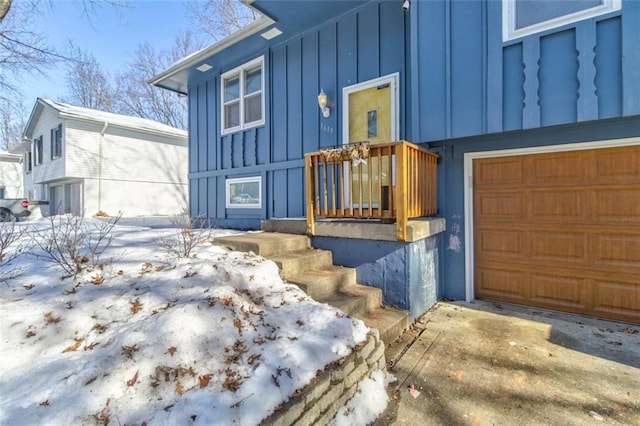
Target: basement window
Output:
{"points": [[244, 193]]}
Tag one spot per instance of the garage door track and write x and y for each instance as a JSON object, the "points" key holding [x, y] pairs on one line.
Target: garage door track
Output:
{"points": [[485, 363]]}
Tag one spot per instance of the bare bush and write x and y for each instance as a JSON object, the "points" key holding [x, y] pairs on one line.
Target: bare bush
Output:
{"points": [[12, 245], [189, 234], [73, 245]]}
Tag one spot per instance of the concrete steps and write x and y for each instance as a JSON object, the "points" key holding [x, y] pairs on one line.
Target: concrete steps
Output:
{"points": [[313, 271]]}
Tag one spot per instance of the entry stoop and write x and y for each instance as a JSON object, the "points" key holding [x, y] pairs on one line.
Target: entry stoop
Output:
{"points": [[313, 271]]}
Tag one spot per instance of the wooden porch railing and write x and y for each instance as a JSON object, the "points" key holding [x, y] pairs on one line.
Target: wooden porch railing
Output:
{"points": [[392, 181]]}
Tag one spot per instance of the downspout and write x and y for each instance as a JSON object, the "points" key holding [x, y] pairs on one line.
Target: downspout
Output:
{"points": [[104, 129]]}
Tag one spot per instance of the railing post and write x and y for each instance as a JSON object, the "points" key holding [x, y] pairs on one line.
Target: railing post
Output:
{"points": [[401, 191], [310, 195]]}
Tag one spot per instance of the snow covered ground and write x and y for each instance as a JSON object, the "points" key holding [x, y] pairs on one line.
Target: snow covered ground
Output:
{"points": [[150, 337]]}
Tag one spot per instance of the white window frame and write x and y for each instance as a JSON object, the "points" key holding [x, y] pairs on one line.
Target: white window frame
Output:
{"points": [[232, 181], [240, 71], [509, 31]]}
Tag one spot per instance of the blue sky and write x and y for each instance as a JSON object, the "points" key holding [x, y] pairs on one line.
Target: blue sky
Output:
{"points": [[112, 36]]}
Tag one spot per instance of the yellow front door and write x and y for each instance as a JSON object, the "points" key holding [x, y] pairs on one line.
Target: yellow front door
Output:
{"points": [[370, 115]]}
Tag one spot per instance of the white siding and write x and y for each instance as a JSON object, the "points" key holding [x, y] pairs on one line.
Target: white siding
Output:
{"points": [[49, 169], [136, 172], [135, 198], [11, 177]]}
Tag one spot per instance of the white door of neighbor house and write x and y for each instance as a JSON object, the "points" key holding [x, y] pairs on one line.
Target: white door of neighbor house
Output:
{"points": [[56, 199], [75, 199], [371, 115]]}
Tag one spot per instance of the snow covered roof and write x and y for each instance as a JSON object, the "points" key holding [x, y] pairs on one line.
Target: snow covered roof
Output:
{"points": [[88, 114]]}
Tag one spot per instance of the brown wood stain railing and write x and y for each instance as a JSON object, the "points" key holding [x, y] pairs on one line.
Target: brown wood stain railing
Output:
{"points": [[395, 182]]}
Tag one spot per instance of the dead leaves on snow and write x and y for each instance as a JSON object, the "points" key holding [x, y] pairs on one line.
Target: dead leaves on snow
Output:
{"points": [[133, 380], [51, 319], [74, 347], [136, 306], [128, 351], [204, 380]]}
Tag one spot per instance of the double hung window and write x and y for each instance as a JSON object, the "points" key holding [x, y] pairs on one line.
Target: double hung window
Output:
{"points": [[56, 142], [243, 96]]}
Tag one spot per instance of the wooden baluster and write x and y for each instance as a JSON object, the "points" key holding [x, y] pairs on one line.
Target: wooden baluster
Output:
{"points": [[325, 187], [402, 207], [311, 211]]}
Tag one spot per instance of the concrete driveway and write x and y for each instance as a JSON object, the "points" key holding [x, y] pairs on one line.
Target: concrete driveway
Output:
{"points": [[486, 363]]}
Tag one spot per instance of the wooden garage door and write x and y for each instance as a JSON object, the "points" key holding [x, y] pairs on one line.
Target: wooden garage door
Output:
{"points": [[560, 231]]}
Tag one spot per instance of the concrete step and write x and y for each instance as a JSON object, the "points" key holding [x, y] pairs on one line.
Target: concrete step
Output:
{"points": [[264, 243], [296, 262], [390, 322], [356, 299], [319, 283]]}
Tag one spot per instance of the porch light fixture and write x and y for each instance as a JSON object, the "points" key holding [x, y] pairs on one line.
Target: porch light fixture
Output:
{"points": [[322, 103]]}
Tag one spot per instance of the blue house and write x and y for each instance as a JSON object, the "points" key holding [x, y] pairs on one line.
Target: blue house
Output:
{"points": [[525, 114]]}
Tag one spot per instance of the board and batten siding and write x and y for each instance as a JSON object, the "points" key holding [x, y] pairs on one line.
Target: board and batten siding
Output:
{"points": [[368, 43], [470, 82]]}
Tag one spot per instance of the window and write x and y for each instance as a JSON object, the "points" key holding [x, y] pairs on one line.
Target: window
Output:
{"points": [[244, 193], [37, 149], [27, 162], [524, 17], [56, 142], [242, 97]]}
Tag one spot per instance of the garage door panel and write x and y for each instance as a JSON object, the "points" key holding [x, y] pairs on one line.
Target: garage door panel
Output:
{"points": [[499, 171], [503, 283], [559, 246], [564, 234], [617, 250], [615, 166], [501, 204], [558, 205], [560, 169], [618, 299], [617, 205], [559, 292], [501, 242]]}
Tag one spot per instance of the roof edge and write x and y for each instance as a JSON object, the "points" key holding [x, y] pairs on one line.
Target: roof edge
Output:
{"points": [[256, 26]]}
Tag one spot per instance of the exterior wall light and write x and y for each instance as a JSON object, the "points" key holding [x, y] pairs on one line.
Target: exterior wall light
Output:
{"points": [[322, 103]]}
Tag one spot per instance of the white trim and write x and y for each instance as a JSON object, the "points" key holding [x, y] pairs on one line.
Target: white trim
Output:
{"points": [[240, 71], [231, 181], [509, 31], [202, 55], [469, 157], [394, 81]]}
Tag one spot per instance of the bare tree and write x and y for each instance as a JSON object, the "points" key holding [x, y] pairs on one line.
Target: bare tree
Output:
{"points": [[5, 5], [219, 18], [88, 85], [22, 49], [13, 117], [135, 96]]}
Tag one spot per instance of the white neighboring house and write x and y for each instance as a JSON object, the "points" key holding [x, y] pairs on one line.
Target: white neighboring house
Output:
{"points": [[10, 175], [85, 161]]}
